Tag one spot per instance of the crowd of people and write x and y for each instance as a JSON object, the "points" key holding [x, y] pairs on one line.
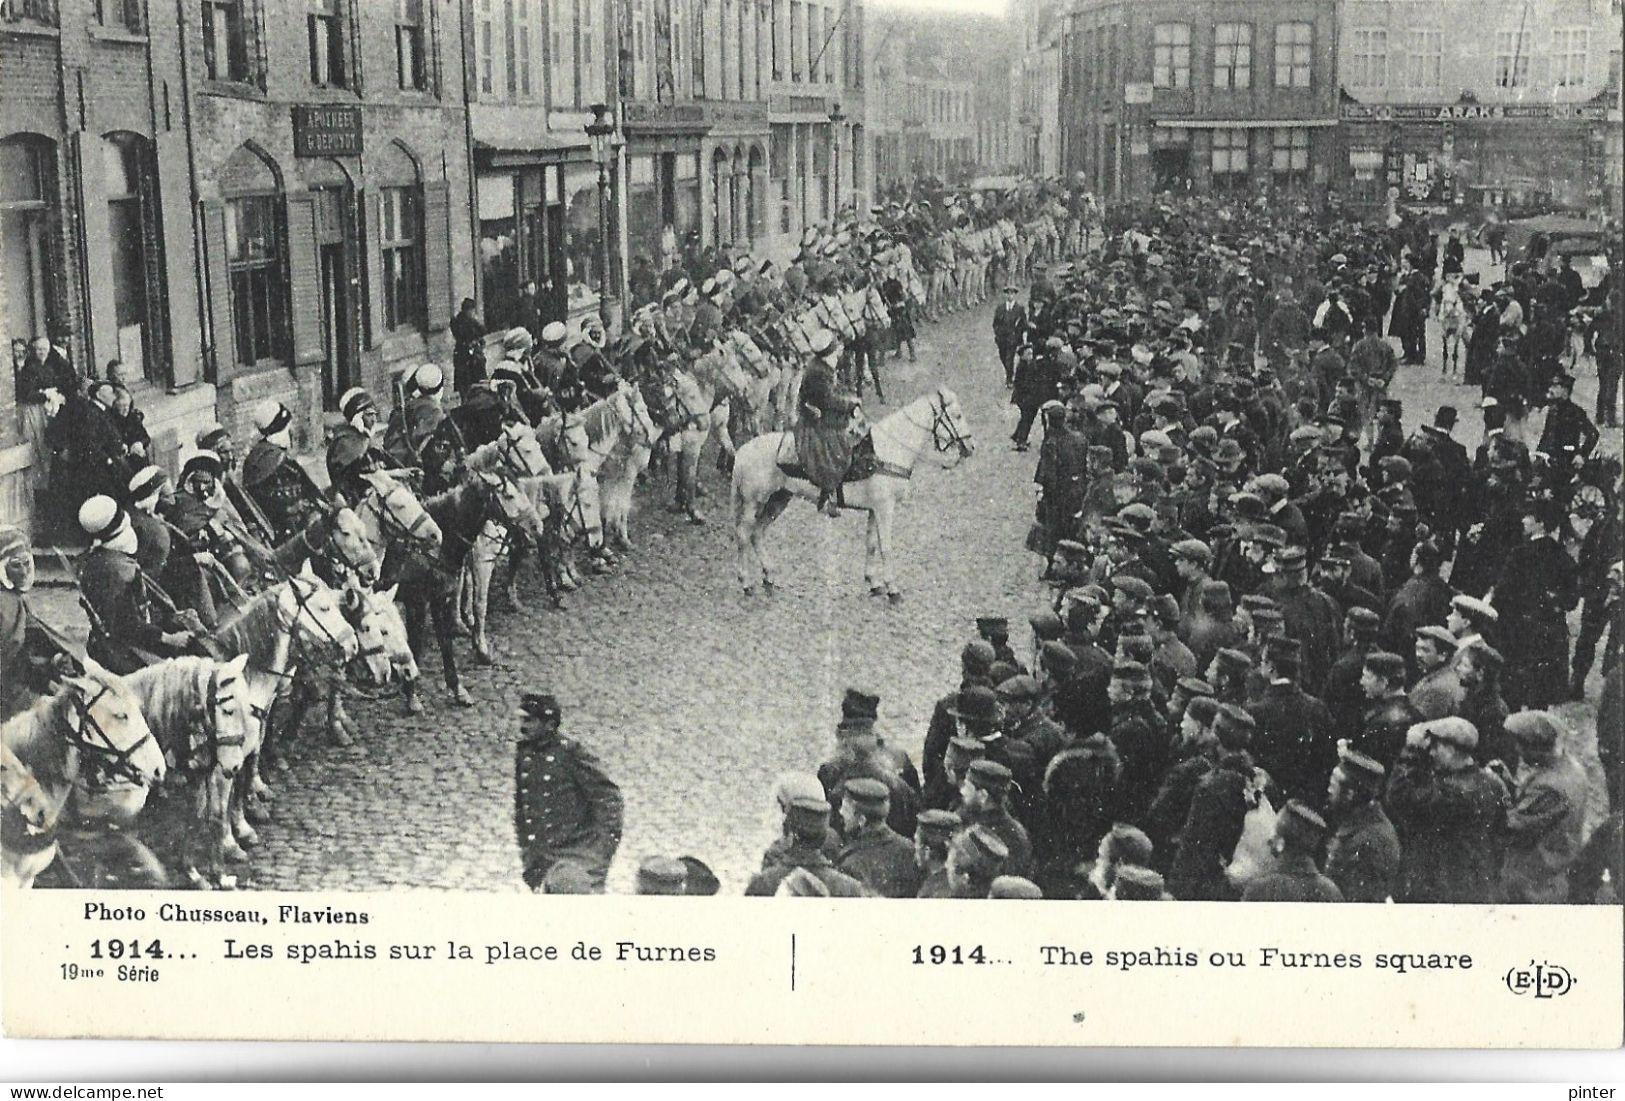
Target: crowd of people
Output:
{"points": [[1293, 653]]}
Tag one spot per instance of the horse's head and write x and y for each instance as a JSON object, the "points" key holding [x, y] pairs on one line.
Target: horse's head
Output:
{"points": [[391, 513], [119, 759], [507, 501], [347, 544], [521, 453], [384, 654], [949, 429], [314, 613], [230, 712], [641, 422], [573, 442], [24, 795]]}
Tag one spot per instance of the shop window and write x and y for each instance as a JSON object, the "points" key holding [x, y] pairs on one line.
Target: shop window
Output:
{"points": [[1171, 55], [798, 41], [411, 39], [255, 257], [696, 51], [1289, 157], [225, 41], [324, 29], [1229, 160], [1233, 55], [1511, 59], [1369, 50], [27, 200], [43, 12], [120, 15], [400, 239], [1294, 43], [1569, 48], [582, 236], [688, 196], [821, 137], [778, 168], [589, 83], [127, 183], [499, 249]]}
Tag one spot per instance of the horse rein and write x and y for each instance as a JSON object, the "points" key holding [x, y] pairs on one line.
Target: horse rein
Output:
{"points": [[105, 762]]}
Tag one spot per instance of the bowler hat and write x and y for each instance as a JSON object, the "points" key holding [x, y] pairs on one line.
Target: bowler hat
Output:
{"points": [[976, 703]]}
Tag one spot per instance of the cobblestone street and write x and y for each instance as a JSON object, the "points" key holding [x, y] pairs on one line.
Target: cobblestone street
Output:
{"points": [[695, 696]]}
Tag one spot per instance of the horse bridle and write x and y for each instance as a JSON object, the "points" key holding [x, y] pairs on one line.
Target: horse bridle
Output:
{"points": [[944, 434], [104, 762], [376, 503], [217, 740]]}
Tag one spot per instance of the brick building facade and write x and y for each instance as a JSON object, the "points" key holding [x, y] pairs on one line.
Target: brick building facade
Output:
{"points": [[1238, 96]]}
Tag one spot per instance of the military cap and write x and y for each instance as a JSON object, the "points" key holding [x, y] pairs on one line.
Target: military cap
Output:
{"points": [[1438, 634], [936, 825], [1234, 660], [1134, 586], [1349, 522], [1140, 515], [662, 875], [1253, 601], [978, 654], [1359, 767], [210, 438], [1533, 728], [1129, 844], [993, 626], [1384, 664], [1204, 709], [1166, 609], [1194, 687], [1090, 594], [1299, 826], [1013, 886], [801, 883], [1363, 621], [701, 879], [1001, 671], [1229, 453], [1452, 729], [1057, 657], [1272, 484], [554, 333], [1020, 687], [1275, 645], [1214, 593], [197, 461], [539, 705], [1109, 368], [1290, 558], [516, 339], [145, 482], [983, 846], [1047, 625], [1193, 550], [271, 416], [568, 877], [1133, 883], [1478, 611], [868, 794], [1071, 548], [989, 775], [858, 704], [1131, 672]]}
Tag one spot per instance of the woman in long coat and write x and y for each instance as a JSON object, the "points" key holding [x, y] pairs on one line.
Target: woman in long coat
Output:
{"points": [[1482, 344]]}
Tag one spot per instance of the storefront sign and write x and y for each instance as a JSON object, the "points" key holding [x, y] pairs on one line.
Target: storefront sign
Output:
{"points": [[799, 105], [691, 116], [1136, 93], [327, 131], [1471, 112]]}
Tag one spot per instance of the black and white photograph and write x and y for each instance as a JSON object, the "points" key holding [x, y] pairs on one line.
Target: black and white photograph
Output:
{"points": [[1074, 450]]}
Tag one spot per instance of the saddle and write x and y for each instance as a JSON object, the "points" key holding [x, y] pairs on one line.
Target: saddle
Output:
{"points": [[863, 466]]}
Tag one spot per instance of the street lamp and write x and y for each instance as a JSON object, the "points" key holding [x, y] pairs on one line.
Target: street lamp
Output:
{"points": [[836, 117], [599, 131]]}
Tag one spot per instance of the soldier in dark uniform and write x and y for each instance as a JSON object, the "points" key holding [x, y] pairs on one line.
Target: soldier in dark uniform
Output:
{"points": [[468, 336], [824, 441], [1363, 855], [984, 801], [1299, 832], [1535, 590], [873, 853], [244, 513], [565, 807], [130, 628], [806, 826], [93, 458], [32, 658], [197, 519], [1388, 713], [274, 478], [419, 414], [1569, 434]]}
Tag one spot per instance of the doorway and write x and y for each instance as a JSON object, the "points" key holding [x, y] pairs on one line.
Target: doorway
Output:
{"points": [[340, 347]]}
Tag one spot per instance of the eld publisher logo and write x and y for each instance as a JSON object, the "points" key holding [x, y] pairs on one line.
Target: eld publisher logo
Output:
{"points": [[1543, 980]]}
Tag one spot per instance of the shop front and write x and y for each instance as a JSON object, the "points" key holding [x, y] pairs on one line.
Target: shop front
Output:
{"points": [[664, 198]]}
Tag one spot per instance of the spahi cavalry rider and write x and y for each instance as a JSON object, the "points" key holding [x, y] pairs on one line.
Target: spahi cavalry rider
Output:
{"points": [[132, 622], [274, 478], [824, 436], [353, 450]]}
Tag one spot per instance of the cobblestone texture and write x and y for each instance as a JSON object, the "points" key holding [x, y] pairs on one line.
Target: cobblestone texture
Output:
{"points": [[695, 696]]}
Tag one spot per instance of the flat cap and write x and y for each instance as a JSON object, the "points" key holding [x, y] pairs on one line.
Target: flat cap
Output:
{"points": [[1131, 672], [1533, 728], [1437, 634], [984, 846], [662, 875], [936, 825], [989, 775], [1047, 625], [1234, 660], [1020, 687], [1193, 550], [1013, 886], [1134, 586], [1385, 664], [1058, 657], [1453, 729], [1357, 766], [1133, 883], [1363, 621], [1480, 611], [1194, 686], [868, 793]]}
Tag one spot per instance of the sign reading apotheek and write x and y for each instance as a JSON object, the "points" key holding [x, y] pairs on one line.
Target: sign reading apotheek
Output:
{"points": [[327, 130]]}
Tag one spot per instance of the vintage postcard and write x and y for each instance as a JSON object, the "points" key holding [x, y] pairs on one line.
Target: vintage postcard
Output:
{"points": [[1152, 464]]}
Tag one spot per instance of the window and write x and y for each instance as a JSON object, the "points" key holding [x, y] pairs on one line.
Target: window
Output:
{"points": [[521, 35], [1289, 159], [562, 57], [1293, 43], [798, 41], [1233, 55], [1171, 55], [1370, 53], [1229, 159], [485, 44], [27, 197], [590, 88], [778, 167], [778, 36], [225, 41], [829, 46], [400, 237], [1425, 60], [326, 34], [1569, 48], [124, 176], [697, 47], [1511, 60], [123, 15], [259, 293], [32, 11], [814, 42], [411, 68]]}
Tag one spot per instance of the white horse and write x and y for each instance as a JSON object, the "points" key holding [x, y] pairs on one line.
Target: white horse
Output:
{"points": [[626, 455], [518, 454], [761, 488], [1453, 321]]}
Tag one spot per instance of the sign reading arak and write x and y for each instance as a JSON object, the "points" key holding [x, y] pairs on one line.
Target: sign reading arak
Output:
{"points": [[1470, 112], [327, 130]]}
